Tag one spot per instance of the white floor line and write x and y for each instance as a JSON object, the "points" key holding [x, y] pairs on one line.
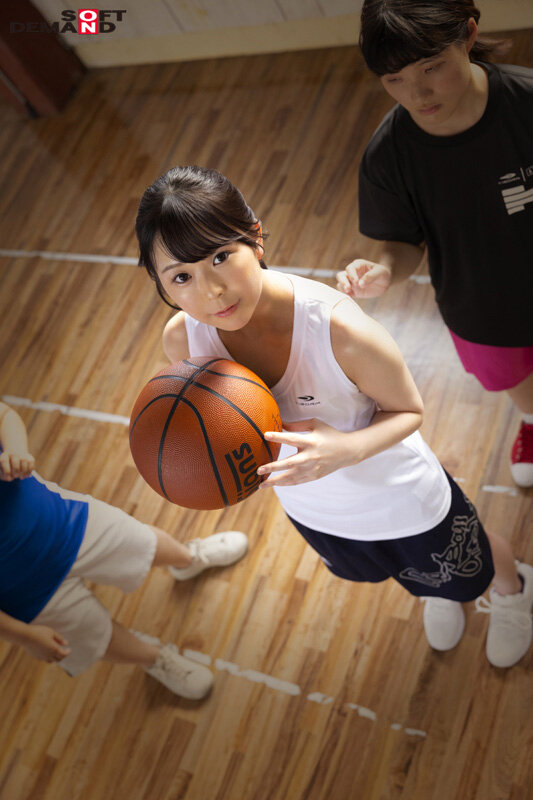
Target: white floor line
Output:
{"points": [[83, 257], [501, 490], [69, 411], [273, 683], [128, 260], [318, 697], [290, 688], [101, 416]]}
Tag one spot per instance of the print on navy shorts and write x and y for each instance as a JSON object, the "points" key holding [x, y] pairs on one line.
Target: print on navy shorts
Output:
{"points": [[462, 557]]}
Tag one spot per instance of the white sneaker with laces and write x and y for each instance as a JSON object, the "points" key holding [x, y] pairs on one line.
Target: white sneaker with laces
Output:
{"points": [[444, 622], [179, 674], [218, 550], [511, 626]]}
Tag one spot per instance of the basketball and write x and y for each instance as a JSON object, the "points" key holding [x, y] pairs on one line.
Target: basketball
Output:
{"points": [[196, 432]]}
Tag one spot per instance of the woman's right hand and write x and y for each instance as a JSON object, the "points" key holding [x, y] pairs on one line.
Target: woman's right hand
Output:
{"points": [[45, 644], [364, 279]]}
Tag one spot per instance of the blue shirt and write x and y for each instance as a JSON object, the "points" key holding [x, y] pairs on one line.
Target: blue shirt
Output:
{"points": [[41, 530]]}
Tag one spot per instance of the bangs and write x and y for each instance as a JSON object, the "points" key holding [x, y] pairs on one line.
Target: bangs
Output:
{"points": [[395, 34], [191, 233], [393, 51]]}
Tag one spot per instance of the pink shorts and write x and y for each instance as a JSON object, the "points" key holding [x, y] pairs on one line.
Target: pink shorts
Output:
{"points": [[496, 368]]}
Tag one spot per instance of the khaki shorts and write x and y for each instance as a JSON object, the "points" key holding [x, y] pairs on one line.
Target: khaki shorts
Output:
{"points": [[116, 550]]}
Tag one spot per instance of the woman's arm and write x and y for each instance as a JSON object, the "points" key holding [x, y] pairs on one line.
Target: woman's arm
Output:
{"points": [[366, 279], [372, 361], [175, 342]]}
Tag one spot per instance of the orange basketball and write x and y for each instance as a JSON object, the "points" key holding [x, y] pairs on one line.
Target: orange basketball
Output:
{"points": [[196, 432]]}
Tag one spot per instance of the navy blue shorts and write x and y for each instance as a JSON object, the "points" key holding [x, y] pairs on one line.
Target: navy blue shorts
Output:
{"points": [[452, 560]]}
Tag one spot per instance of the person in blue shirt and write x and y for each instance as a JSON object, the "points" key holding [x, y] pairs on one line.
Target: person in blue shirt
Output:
{"points": [[52, 540]]}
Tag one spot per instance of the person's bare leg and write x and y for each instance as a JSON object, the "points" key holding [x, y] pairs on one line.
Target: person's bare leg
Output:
{"points": [[522, 395], [125, 648], [506, 580], [169, 552]]}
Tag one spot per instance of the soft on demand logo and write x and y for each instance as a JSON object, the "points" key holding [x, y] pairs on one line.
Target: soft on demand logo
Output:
{"points": [[90, 21]]}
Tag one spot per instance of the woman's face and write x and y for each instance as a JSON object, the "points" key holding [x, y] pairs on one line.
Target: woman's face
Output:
{"points": [[435, 91], [221, 290]]}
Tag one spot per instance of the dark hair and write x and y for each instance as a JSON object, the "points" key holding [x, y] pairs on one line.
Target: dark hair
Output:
{"points": [[395, 33], [192, 211]]}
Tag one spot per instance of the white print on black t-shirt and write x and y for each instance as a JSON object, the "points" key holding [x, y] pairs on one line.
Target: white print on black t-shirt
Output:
{"points": [[462, 557], [516, 192]]}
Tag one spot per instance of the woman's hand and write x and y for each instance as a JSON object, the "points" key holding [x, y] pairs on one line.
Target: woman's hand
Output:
{"points": [[45, 644], [321, 450], [364, 279], [16, 465]]}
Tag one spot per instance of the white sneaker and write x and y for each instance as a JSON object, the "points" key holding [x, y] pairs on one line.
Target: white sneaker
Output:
{"points": [[218, 550], [181, 675], [444, 622], [511, 625]]}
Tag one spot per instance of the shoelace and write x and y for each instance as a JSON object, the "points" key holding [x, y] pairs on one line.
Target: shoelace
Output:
{"points": [[523, 446], [503, 614], [175, 667], [195, 547]]}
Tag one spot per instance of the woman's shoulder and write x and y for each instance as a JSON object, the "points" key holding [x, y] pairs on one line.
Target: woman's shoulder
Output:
{"points": [[175, 342]]}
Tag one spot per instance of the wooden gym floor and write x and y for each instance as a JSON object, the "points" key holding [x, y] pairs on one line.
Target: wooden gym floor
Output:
{"points": [[324, 689]]}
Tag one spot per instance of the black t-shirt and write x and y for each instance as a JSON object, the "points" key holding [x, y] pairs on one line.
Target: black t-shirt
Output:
{"points": [[470, 198]]}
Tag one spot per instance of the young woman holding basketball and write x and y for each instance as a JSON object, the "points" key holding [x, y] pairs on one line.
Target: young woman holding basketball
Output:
{"points": [[451, 168], [362, 487]]}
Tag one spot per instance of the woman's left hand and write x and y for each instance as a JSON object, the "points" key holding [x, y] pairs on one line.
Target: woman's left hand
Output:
{"points": [[321, 450]]}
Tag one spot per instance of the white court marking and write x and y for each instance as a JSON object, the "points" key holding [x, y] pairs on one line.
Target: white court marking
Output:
{"points": [[501, 490], [69, 411], [101, 416], [88, 258]]}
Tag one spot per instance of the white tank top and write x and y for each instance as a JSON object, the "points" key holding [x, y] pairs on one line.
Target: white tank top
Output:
{"points": [[399, 492]]}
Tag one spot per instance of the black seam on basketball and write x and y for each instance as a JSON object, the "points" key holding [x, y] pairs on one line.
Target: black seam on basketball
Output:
{"points": [[162, 445], [243, 414], [212, 372], [164, 377], [198, 368], [202, 366], [153, 400], [179, 396], [209, 450], [241, 378]]}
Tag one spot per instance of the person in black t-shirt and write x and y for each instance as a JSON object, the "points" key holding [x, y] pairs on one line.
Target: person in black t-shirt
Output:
{"points": [[450, 168]]}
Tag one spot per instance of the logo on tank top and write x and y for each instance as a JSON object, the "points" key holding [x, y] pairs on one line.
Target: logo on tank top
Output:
{"points": [[517, 189], [307, 400]]}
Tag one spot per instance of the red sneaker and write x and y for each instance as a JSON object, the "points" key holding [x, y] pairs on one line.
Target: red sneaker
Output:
{"points": [[522, 456]]}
